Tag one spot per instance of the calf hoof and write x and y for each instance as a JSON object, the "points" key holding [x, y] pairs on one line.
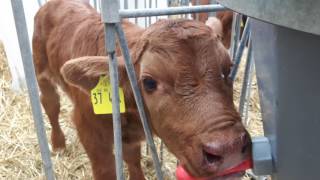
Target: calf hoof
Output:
{"points": [[58, 141]]}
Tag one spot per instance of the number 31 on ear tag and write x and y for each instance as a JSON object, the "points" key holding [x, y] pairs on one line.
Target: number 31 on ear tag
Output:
{"points": [[101, 97]]}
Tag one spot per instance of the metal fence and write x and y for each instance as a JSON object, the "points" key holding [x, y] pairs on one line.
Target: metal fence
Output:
{"points": [[111, 15]]}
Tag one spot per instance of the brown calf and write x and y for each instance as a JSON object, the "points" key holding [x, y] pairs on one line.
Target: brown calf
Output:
{"points": [[182, 68], [225, 18]]}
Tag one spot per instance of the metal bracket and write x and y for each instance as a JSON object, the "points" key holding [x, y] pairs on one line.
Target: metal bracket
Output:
{"points": [[261, 154], [110, 11]]}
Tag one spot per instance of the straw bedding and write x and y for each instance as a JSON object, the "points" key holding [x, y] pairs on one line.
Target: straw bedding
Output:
{"points": [[19, 150]]}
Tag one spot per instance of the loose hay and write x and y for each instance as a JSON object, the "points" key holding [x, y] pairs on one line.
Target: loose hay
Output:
{"points": [[19, 152]]}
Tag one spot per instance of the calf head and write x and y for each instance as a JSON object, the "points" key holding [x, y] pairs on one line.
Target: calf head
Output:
{"points": [[183, 69]]}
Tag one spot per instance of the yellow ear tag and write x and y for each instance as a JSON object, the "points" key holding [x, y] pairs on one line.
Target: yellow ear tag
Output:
{"points": [[101, 97]]}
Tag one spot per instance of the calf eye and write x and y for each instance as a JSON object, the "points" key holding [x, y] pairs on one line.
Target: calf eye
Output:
{"points": [[149, 84]]}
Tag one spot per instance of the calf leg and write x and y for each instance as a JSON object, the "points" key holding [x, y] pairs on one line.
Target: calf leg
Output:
{"points": [[49, 96], [51, 103], [102, 161], [132, 156], [97, 142]]}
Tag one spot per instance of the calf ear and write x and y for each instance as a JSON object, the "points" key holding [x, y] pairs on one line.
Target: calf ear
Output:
{"points": [[84, 72], [216, 26]]}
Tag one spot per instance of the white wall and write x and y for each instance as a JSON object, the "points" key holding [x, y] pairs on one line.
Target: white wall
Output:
{"points": [[9, 37]]}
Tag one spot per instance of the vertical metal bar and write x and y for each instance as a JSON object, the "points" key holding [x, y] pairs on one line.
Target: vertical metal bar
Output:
{"points": [[22, 33], [138, 98], [247, 105], [110, 16], [150, 6], [136, 7], [244, 90], [156, 6], [125, 4], [185, 3], [110, 42], [211, 14], [235, 34], [240, 49], [197, 14], [145, 18], [95, 4], [40, 3]]}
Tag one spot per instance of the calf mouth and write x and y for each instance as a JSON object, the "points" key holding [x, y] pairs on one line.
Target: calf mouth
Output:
{"points": [[234, 173], [231, 176]]}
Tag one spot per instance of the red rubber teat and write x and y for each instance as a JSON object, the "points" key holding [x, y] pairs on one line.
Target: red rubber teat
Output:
{"points": [[182, 174]]}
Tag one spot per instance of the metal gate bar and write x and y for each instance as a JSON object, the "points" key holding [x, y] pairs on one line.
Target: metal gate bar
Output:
{"points": [[145, 18], [110, 41], [133, 13], [135, 7], [235, 34], [23, 38], [150, 6], [95, 5], [248, 95], [240, 49], [245, 88]]}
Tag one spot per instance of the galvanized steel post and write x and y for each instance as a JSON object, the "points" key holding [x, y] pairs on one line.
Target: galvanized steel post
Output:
{"points": [[136, 7], [246, 75], [22, 32], [248, 95], [240, 49], [145, 18], [114, 79], [110, 16], [95, 4], [235, 34], [125, 4], [150, 6]]}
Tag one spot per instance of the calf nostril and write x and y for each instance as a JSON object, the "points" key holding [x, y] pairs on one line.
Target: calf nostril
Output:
{"points": [[212, 158], [246, 144], [245, 147]]}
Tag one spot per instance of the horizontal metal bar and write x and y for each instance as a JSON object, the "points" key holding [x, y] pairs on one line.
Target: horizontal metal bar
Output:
{"points": [[132, 13]]}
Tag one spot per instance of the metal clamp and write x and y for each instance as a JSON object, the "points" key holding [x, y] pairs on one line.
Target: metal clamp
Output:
{"points": [[262, 157]]}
